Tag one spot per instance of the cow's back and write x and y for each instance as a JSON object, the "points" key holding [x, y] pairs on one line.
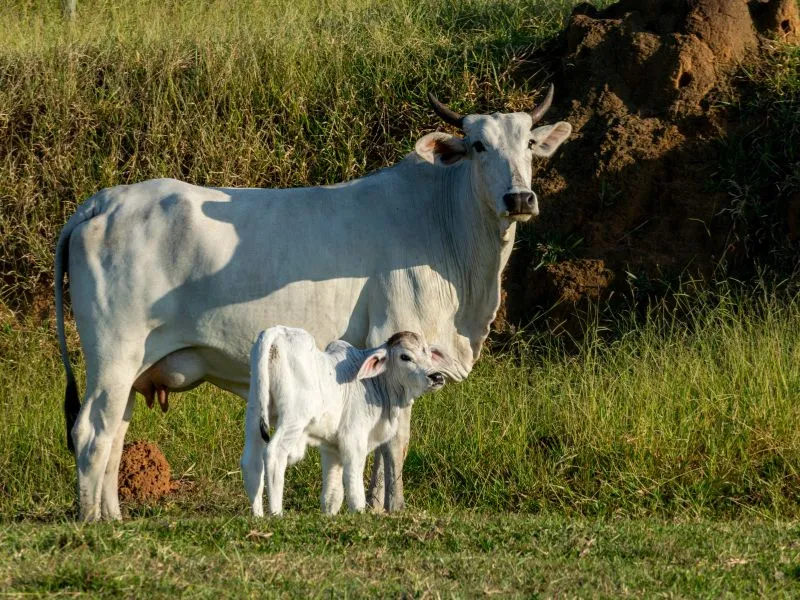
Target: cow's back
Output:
{"points": [[187, 266]]}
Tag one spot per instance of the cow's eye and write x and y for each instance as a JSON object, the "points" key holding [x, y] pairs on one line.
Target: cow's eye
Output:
{"points": [[531, 143], [479, 147], [405, 357]]}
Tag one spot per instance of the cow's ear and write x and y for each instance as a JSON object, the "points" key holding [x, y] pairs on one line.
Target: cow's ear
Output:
{"points": [[441, 359], [441, 148], [548, 138], [373, 365]]}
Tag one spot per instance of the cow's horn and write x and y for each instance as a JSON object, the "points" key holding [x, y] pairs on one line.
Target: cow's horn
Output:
{"points": [[538, 112], [447, 115]]}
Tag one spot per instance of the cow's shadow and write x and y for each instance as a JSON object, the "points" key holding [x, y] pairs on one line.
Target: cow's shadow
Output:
{"points": [[310, 256]]}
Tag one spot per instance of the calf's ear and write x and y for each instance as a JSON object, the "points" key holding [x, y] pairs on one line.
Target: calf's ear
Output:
{"points": [[441, 148], [373, 365], [548, 138]]}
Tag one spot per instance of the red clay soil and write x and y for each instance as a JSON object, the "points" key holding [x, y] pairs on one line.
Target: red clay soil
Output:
{"points": [[144, 474], [780, 18], [637, 81]]}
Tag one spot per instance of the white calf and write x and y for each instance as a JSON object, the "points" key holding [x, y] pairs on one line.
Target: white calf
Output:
{"points": [[345, 400]]}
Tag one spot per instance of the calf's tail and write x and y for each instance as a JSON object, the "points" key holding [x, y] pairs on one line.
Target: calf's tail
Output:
{"points": [[259, 382]]}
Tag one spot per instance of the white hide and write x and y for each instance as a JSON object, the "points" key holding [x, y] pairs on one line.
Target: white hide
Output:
{"points": [[163, 266], [346, 401]]}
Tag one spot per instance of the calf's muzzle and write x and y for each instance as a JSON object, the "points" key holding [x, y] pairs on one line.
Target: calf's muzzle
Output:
{"points": [[436, 379]]}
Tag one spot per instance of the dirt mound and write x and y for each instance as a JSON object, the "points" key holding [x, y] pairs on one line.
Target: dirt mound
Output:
{"points": [[656, 55], [569, 288], [638, 83], [144, 473], [777, 17], [571, 281]]}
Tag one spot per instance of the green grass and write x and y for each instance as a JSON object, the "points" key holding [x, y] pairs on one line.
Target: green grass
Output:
{"points": [[686, 411], [764, 201], [466, 554]]}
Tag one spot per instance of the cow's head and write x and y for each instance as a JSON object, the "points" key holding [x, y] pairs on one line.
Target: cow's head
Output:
{"points": [[500, 147]]}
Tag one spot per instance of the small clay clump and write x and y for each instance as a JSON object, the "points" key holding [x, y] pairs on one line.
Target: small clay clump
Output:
{"points": [[144, 473], [572, 287]]}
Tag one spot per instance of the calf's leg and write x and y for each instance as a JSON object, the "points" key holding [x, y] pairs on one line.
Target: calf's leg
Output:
{"points": [[354, 458], [284, 443], [377, 486], [392, 455], [332, 490], [254, 460], [276, 471]]}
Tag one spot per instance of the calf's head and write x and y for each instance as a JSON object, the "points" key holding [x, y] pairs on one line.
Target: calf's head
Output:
{"points": [[409, 363], [500, 148]]}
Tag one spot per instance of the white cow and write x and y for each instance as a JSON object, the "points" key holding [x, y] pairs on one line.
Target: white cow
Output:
{"points": [[171, 282], [345, 400]]}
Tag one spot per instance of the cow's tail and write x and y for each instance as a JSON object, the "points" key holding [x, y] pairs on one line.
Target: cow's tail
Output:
{"points": [[72, 403], [258, 403]]}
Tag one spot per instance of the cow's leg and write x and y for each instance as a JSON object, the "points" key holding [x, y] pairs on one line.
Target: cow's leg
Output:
{"points": [[95, 432], [332, 490], [394, 455], [377, 485], [110, 495]]}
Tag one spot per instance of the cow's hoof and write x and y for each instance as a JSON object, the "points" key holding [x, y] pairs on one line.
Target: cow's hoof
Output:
{"points": [[375, 503], [395, 505]]}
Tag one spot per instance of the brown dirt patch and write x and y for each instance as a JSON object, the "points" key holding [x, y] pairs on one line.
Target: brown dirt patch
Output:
{"points": [[572, 281], [656, 55], [571, 287], [144, 473]]}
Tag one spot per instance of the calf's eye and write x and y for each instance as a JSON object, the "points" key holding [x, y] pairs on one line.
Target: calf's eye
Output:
{"points": [[405, 357], [531, 143], [479, 147]]}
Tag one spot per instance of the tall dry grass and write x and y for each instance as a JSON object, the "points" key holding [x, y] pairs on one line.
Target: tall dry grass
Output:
{"points": [[245, 94]]}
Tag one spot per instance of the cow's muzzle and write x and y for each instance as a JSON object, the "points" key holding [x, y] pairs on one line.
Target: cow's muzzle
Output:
{"points": [[521, 206]]}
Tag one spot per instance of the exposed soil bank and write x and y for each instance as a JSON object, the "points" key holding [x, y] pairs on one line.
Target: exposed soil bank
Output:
{"points": [[641, 83]]}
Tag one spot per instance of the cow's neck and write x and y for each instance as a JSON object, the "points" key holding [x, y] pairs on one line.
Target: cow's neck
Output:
{"points": [[480, 248]]}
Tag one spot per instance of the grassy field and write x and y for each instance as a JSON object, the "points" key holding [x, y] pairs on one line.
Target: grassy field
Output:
{"points": [[419, 555], [689, 411], [656, 455]]}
